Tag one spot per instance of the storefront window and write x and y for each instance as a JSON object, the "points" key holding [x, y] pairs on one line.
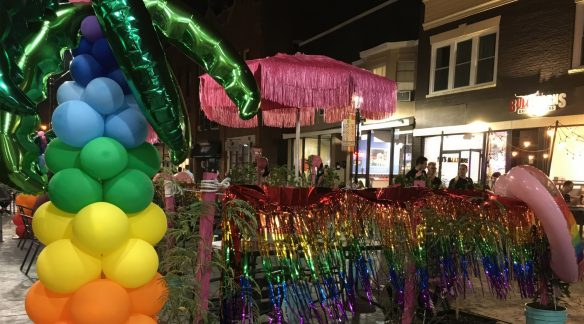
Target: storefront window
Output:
{"points": [[456, 150], [380, 154], [568, 155], [497, 153], [402, 156], [360, 161]]}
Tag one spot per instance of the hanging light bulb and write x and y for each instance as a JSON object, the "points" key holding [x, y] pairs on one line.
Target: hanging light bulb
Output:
{"points": [[550, 132], [545, 155], [514, 153], [526, 144]]}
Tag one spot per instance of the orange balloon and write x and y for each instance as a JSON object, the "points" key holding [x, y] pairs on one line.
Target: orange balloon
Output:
{"points": [[140, 319], [44, 306], [150, 298], [100, 301], [26, 201]]}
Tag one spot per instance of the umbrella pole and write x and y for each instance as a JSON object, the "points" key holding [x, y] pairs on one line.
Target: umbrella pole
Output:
{"points": [[297, 146]]}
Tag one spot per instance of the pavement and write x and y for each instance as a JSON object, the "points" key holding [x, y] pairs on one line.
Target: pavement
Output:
{"points": [[14, 285]]}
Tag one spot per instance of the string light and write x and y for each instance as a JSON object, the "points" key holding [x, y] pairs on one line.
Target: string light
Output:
{"points": [[545, 155], [514, 153], [550, 132], [526, 144]]}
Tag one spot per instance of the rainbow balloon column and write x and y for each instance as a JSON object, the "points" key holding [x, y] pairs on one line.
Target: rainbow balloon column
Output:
{"points": [[99, 264]]}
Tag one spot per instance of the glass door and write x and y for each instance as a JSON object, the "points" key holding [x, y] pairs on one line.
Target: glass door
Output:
{"points": [[474, 167], [450, 161]]}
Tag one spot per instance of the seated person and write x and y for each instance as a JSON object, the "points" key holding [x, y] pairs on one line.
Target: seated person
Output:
{"points": [[461, 181], [567, 187]]}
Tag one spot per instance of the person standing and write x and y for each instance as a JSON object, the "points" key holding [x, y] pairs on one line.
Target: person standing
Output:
{"points": [[419, 171], [461, 181], [433, 181], [567, 188]]}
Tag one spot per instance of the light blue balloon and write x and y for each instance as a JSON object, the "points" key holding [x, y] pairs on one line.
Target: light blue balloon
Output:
{"points": [[104, 95], [69, 90], [128, 127], [130, 101], [76, 123]]}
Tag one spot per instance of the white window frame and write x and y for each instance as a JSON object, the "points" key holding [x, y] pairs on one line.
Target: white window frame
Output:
{"points": [[578, 33], [452, 38]]}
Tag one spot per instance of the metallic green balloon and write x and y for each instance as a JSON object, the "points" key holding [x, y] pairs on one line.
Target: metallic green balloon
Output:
{"points": [[43, 51], [184, 29], [129, 30], [12, 98], [19, 154]]}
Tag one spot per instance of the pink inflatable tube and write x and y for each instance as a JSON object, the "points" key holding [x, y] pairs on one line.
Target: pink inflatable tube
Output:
{"points": [[533, 187]]}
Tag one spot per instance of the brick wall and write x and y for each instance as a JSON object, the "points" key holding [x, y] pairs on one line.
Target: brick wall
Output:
{"points": [[534, 53]]}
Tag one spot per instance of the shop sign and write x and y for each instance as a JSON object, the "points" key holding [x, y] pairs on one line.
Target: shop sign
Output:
{"points": [[348, 130], [454, 160], [537, 104]]}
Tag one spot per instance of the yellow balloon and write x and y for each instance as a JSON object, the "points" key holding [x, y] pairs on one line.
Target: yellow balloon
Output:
{"points": [[63, 268], [51, 224], [132, 265], [149, 224], [100, 228]]}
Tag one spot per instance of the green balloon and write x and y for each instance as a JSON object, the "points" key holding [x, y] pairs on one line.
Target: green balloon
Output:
{"points": [[144, 158], [103, 158], [132, 191], [72, 189], [60, 156]]}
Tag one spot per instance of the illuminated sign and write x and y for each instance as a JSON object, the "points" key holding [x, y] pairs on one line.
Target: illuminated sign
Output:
{"points": [[348, 132], [537, 104]]}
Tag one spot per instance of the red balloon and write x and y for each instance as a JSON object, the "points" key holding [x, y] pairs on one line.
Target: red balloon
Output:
{"points": [[20, 230], [17, 220]]}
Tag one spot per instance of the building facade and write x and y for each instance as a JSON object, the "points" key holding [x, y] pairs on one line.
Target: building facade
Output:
{"points": [[500, 84]]}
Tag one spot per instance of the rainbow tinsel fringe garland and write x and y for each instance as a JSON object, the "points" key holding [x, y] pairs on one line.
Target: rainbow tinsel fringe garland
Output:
{"points": [[321, 249]]}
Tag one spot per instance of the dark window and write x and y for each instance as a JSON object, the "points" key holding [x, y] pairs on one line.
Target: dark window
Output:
{"points": [[442, 67], [463, 59], [486, 58]]}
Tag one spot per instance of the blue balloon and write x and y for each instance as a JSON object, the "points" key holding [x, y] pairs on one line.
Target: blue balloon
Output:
{"points": [[69, 90], [102, 52], [76, 123], [104, 95], [118, 76], [128, 127], [85, 47], [85, 68]]}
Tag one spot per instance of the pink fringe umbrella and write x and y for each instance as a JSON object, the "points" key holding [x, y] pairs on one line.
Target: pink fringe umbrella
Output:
{"points": [[294, 87]]}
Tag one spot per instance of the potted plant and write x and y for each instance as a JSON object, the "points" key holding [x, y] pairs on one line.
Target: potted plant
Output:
{"points": [[546, 305]]}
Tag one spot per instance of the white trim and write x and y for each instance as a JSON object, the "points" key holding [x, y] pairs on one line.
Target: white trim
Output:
{"points": [[379, 49], [465, 13], [465, 30], [462, 89], [347, 22], [388, 124], [500, 126], [452, 38], [314, 133]]}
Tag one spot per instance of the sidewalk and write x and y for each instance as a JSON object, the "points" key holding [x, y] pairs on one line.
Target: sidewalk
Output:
{"points": [[13, 283]]}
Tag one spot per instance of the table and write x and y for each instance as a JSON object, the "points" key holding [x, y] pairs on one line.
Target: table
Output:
{"points": [[578, 212]]}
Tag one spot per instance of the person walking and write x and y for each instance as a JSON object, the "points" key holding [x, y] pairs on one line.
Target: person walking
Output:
{"points": [[461, 181]]}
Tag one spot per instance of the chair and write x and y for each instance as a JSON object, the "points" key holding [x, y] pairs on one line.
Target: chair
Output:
{"points": [[27, 235], [34, 243]]}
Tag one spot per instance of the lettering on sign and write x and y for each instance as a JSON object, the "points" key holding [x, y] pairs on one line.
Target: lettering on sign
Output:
{"points": [[537, 104], [348, 132], [454, 160]]}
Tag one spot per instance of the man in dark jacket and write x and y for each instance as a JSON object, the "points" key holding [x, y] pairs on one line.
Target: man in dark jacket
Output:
{"points": [[419, 171], [461, 181]]}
